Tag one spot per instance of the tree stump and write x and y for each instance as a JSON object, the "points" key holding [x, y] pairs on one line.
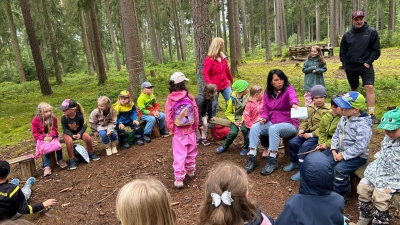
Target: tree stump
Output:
{"points": [[152, 73], [155, 133], [53, 160], [28, 169]]}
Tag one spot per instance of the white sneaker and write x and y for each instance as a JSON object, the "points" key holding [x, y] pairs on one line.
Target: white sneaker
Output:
{"points": [[114, 147], [108, 151]]}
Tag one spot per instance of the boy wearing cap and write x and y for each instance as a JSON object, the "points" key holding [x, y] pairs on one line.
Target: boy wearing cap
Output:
{"points": [[234, 112], [350, 141], [359, 48], [308, 133], [382, 176], [150, 111], [13, 200]]}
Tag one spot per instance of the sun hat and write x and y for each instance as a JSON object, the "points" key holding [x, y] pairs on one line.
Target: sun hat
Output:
{"points": [[67, 104], [146, 84], [240, 85], [350, 100], [390, 120], [178, 77], [318, 90]]}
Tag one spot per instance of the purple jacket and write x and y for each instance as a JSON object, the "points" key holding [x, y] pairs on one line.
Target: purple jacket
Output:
{"points": [[277, 110]]}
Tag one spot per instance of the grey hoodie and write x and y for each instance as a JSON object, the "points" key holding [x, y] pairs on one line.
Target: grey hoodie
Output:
{"points": [[352, 136]]}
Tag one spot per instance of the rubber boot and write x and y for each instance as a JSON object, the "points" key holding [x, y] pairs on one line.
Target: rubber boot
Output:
{"points": [[381, 217]]}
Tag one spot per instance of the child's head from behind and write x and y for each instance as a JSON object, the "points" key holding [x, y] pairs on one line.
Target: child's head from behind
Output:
{"points": [[240, 87], [210, 91], [256, 92], [318, 95], [177, 82], [316, 175], [336, 110], [125, 98], [147, 88], [390, 122], [227, 177], [144, 202], [4, 169], [351, 103], [104, 103]]}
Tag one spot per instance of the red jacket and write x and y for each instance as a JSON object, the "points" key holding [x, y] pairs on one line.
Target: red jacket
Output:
{"points": [[39, 131], [218, 73]]}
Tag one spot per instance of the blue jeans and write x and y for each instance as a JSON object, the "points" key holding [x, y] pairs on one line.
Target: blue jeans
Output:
{"points": [[301, 145], [342, 171], [151, 120], [106, 139], [47, 158], [226, 93], [271, 131]]}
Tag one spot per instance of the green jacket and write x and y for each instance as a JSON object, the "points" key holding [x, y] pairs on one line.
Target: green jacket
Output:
{"points": [[311, 79], [327, 128], [234, 109], [311, 124]]}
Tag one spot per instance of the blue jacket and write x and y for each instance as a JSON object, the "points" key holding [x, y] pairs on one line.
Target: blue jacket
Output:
{"points": [[315, 204]]}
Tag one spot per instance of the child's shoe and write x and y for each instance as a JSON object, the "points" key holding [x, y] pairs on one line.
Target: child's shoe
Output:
{"points": [[364, 221], [290, 167], [125, 145], [251, 164], [205, 142], [93, 156], [139, 142], [47, 171], [179, 183], [72, 164], [190, 173], [30, 182], [146, 138], [108, 149], [198, 141], [164, 132], [62, 164], [220, 149], [296, 176], [114, 147], [244, 151], [15, 181]]}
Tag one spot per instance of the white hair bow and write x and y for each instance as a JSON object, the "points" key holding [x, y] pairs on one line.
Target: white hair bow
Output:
{"points": [[225, 198]]}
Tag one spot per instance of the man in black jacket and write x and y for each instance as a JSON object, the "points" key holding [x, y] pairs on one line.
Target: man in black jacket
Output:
{"points": [[13, 200], [359, 48]]}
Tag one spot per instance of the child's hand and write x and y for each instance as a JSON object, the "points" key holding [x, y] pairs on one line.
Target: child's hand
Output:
{"points": [[135, 122], [212, 119], [306, 136], [96, 134], [201, 128], [313, 71], [109, 133], [338, 157], [156, 114], [76, 136], [48, 139], [301, 133], [322, 147], [121, 126], [49, 202], [238, 124]]}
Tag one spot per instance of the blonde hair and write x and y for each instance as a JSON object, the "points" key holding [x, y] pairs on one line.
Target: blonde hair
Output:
{"points": [[104, 100], [79, 109], [320, 56], [130, 103], [144, 202], [40, 113], [255, 89], [227, 176], [215, 48]]}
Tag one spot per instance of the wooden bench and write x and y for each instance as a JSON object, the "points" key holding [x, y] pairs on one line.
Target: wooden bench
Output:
{"points": [[301, 52], [355, 180], [26, 165], [228, 123]]}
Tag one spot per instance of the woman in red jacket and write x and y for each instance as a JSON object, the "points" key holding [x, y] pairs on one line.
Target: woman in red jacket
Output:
{"points": [[216, 71]]}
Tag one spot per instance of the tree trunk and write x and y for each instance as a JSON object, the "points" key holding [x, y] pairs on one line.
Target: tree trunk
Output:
{"points": [[50, 32], [14, 41], [86, 45], [182, 35], [332, 34], [166, 21], [232, 38], [238, 44], [152, 33], [284, 38], [97, 42], [392, 15], [114, 44], [133, 51], [244, 24], [202, 38], [37, 57], [218, 19], [317, 21], [252, 39], [224, 24], [104, 53], [91, 40], [277, 9], [176, 29], [302, 23], [268, 55], [365, 10], [382, 15]]}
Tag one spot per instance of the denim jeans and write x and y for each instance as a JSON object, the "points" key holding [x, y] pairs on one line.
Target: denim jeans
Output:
{"points": [[47, 158], [272, 132], [151, 120], [106, 139], [226, 93], [342, 171], [301, 145]]}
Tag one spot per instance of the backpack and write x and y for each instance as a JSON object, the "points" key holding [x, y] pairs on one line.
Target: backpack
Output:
{"points": [[81, 153], [219, 132], [183, 112]]}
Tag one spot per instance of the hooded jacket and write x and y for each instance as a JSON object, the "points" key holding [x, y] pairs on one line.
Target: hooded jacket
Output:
{"points": [[235, 107], [218, 73], [311, 124], [39, 131], [252, 112], [169, 113], [315, 203], [277, 109], [311, 79], [126, 114], [98, 121], [327, 127], [352, 136], [359, 46]]}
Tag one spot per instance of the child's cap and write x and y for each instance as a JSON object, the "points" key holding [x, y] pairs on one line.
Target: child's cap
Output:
{"points": [[240, 85], [67, 104], [146, 84], [4, 168], [318, 90], [390, 120], [350, 100], [178, 77], [126, 94]]}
